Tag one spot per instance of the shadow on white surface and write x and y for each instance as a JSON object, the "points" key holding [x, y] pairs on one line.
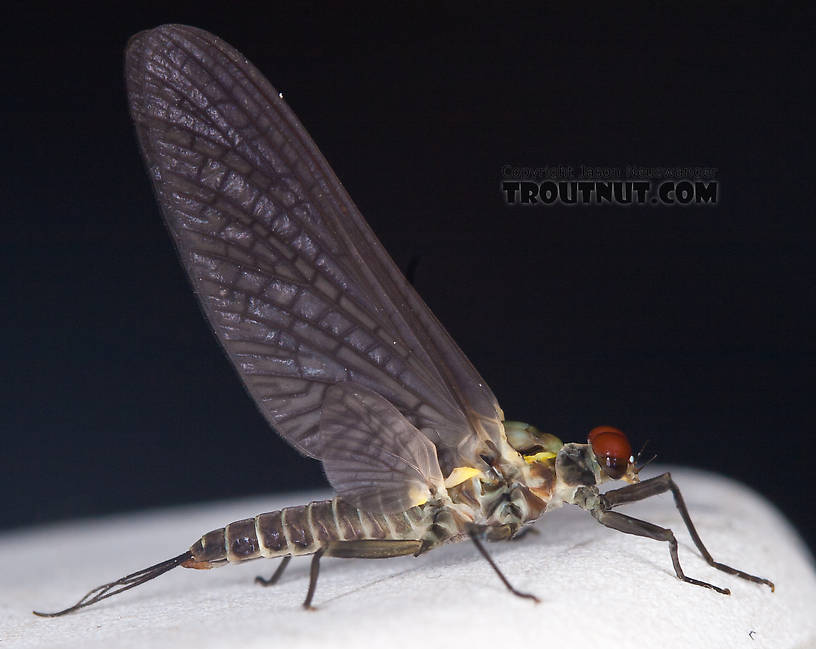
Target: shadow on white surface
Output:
{"points": [[597, 586]]}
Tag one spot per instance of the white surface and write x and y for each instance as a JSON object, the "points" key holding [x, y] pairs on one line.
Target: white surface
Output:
{"points": [[598, 587]]}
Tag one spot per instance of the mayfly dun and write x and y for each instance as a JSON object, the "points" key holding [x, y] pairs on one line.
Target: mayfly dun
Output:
{"points": [[339, 352]]}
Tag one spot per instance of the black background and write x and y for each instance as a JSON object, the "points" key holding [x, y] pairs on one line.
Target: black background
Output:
{"points": [[689, 327]]}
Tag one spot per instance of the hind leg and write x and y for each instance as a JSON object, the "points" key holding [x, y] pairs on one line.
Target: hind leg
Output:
{"points": [[365, 549]]}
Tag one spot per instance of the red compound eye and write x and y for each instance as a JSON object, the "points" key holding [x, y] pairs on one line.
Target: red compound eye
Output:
{"points": [[612, 450]]}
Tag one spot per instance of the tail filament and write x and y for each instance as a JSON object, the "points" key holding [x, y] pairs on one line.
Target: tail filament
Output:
{"points": [[121, 585]]}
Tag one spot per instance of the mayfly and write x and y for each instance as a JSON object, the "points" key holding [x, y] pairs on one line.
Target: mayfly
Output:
{"points": [[341, 355]]}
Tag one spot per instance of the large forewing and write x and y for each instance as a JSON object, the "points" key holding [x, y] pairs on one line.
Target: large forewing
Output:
{"points": [[297, 287]]}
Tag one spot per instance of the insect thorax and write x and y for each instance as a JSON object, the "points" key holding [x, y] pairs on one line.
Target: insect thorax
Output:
{"points": [[531, 473]]}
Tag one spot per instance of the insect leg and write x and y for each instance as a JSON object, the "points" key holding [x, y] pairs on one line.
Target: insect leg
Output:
{"points": [[363, 549], [630, 525], [473, 533], [524, 531], [652, 487], [277, 574], [372, 548], [313, 572]]}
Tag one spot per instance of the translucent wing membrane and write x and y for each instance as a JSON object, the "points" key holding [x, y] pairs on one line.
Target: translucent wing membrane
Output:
{"points": [[295, 284], [373, 456]]}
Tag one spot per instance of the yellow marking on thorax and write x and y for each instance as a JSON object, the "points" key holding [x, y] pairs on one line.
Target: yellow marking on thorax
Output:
{"points": [[418, 497], [539, 457], [459, 475]]}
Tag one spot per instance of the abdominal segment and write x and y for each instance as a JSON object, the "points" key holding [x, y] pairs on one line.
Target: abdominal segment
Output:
{"points": [[301, 530]]}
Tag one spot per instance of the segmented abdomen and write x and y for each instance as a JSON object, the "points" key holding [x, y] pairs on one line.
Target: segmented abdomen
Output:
{"points": [[302, 530]]}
